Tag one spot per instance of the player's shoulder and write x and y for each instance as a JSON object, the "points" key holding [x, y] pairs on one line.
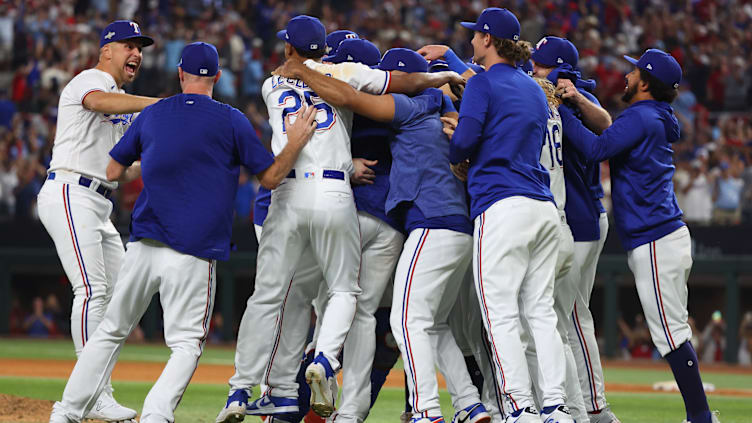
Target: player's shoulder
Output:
{"points": [[93, 76]]}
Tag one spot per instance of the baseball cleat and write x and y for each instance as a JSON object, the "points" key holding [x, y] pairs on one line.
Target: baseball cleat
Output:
{"points": [[58, 414], [269, 405], [556, 414], [604, 415], [109, 410], [524, 415], [475, 413], [418, 419], [234, 410], [320, 377]]}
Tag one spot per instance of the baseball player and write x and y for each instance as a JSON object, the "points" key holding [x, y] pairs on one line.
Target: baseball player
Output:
{"points": [[181, 226], [647, 216], [74, 205], [502, 124], [312, 208], [431, 203], [556, 59]]}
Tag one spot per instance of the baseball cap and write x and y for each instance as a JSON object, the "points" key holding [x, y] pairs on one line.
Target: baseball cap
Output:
{"points": [[336, 37], [659, 64], [200, 59], [527, 67], [500, 23], [123, 30], [356, 50], [305, 33], [438, 65], [555, 51], [403, 60]]}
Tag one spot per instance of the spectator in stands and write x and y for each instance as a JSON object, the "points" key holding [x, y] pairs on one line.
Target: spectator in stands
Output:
{"points": [[714, 339], [727, 195], [40, 323], [638, 343], [696, 194], [60, 320]]}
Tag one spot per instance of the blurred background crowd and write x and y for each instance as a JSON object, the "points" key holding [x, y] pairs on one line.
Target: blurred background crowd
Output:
{"points": [[44, 43]]}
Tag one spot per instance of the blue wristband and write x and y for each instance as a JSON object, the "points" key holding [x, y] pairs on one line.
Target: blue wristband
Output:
{"points": [[454, 62]]}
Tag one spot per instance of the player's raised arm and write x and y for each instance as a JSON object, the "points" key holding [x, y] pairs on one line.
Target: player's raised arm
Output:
{"points": [[298, 135], [595, 117], [413, 83], [341, 94], [116, 103]]}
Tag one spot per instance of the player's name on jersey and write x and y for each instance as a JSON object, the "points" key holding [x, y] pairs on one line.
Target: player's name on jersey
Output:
{"points": [[280, 80]]}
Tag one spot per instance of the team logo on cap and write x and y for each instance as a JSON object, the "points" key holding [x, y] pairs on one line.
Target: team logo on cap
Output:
{"points": [[109, 35], [485, 26], [314, 47], [649, 66], [541, 42], [135, 27]]}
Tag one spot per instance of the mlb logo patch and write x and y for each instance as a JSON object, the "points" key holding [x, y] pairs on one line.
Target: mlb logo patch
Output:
{"points": [[203, 71], [314, 47], [309, 175]]}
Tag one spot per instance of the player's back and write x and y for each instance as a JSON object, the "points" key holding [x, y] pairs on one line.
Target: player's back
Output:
{"points": [[551, 158], [84, 137], [329, 147]]}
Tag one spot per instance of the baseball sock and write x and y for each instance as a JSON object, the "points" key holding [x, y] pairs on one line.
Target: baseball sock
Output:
{"points": [[684, 364]]}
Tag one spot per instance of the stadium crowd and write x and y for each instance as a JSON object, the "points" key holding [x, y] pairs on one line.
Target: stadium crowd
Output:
{"points": [[44, 43]]}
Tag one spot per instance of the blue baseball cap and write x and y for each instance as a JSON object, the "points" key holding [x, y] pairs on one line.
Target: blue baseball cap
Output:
{"points": [[200, 59], [661, 65], [123, 30], [500, 23], [305, 33], [527, 67], [438, 65], [335, 38], [403, 60], [555, 51], [356, 50]]}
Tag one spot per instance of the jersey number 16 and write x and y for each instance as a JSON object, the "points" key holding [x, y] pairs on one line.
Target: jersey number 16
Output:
{"points": [[311, 99]]}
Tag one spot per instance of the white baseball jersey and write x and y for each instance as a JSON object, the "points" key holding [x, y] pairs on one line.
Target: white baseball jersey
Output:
{"points": [[84, 138], [329, 147], [552, 159]]}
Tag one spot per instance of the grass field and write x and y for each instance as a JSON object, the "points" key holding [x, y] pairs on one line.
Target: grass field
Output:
{"points": [[202, 401]]}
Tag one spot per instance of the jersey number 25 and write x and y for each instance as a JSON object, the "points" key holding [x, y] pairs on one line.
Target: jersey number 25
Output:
{"points": [[311, 99]]}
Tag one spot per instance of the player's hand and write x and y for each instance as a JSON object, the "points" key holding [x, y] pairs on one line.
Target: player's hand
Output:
{"points": [[456, 83], [566, 90], [290, 69], [460, 170], [433, 51], [450, 124], [363, 174], [300, 132]]}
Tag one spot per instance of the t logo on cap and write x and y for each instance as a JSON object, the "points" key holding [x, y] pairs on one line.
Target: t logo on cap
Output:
{"points": [[123, 30]]}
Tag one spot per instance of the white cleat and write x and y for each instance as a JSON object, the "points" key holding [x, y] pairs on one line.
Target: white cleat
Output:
{"points": [[605, 415], [109, 410], [559, 414], [58, 414], [235, 409], [322, 388], [527, 415]]}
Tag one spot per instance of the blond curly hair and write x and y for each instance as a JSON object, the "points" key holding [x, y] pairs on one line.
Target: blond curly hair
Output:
{"points": [[549, 90]]}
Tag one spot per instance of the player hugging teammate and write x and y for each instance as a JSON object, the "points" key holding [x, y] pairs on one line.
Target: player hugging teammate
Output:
{"points": [[477, 232]]}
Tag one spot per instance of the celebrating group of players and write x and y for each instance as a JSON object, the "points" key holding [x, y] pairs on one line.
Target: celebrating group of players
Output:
{"points": [[479, 229]]}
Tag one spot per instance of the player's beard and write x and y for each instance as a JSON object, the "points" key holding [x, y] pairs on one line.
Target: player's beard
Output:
{"points": [[629, 93]]}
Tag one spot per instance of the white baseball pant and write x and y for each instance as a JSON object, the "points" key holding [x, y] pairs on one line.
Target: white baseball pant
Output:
{"points": [[382, 246], [515, 250], [274, 364], [661, 269], [316, 215], [426, 285], [186, 286], [90, 248], [567, 277], [581, 333]]}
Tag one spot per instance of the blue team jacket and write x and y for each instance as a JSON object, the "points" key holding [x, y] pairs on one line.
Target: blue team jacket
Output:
{"points": [[638, 145]]}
